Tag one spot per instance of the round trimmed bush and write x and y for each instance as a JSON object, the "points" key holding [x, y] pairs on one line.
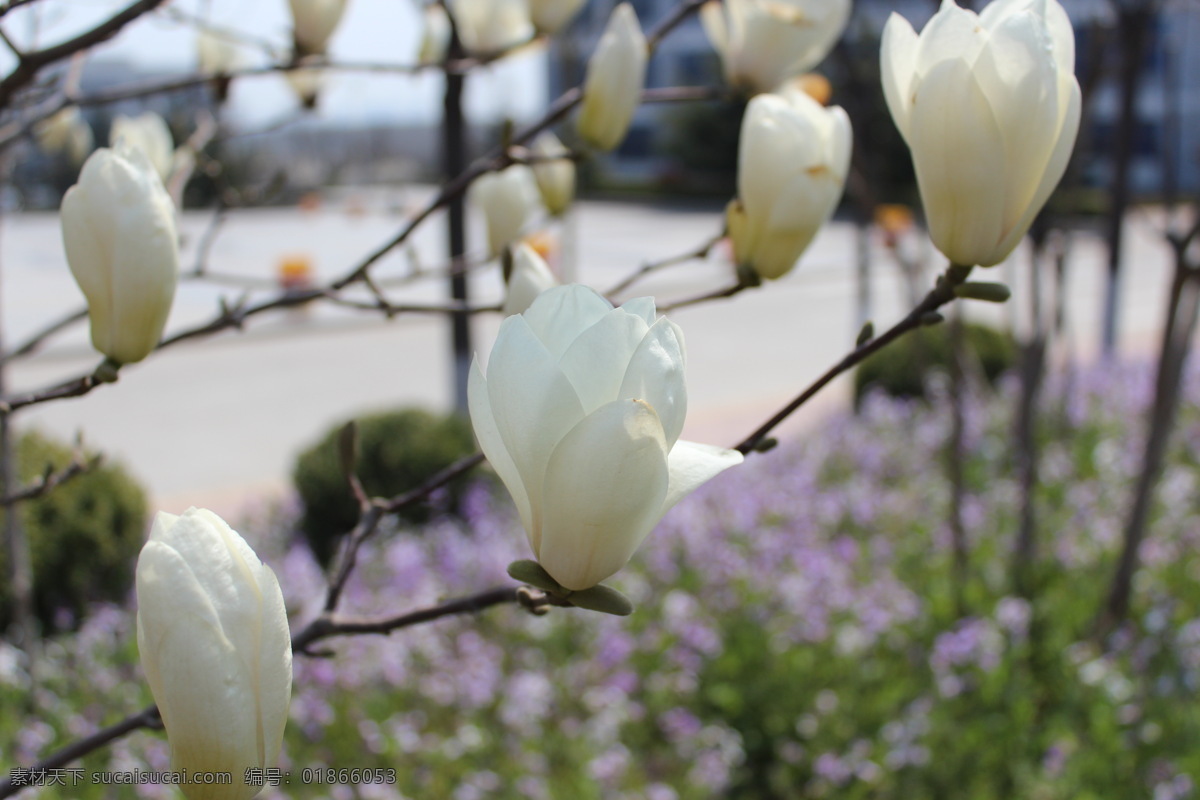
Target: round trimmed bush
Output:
{"points": [[903, 367], [397, 451], [84, 535]]}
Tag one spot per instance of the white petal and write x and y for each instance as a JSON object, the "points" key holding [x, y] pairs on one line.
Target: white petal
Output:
{"points": [[560, 314], [692, 464], [1018, 75], [200, 684], [953, 34], [898, 67], [596, 361], [604, 492], [643, 307], [493, 447], [1069, 96], [712, 18], [656, 375], [533, 405], [958, 153], [616, 75], [530, 277]]}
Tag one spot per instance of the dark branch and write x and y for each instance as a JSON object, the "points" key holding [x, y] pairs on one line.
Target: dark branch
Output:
{"points": [[941, 294], [31, 63]]}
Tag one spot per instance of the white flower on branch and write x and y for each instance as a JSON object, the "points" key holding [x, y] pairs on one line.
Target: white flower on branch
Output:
{"points": [[66, 132], [793, 156], [550, 16], [492, 26], [554, 172], [118, 228], [217, 54], [313, 24], [530, 277], [616, 75], [580, 415], [149, 133], [306, 83], [215, 646], [435, 35], [762, 43], [508, 199], [990, 107]]}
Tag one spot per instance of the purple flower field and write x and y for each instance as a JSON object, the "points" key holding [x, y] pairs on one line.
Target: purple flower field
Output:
{"points": [[796, 635]]}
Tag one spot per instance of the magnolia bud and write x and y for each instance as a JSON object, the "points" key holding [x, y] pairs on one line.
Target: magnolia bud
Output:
{"points": [[508, 199], [306, 83], [66, 132], [118, 228], [555, 178], [214, 643], [216, 54], [616, 75], [313, 24], [580, 414], [990, 107], [550, 16], [492, 26], [435, 36], [530, 277], [793, 157], [762, 43], [149, 133]]}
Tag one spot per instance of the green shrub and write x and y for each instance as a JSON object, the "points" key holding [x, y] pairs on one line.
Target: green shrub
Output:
{"points": [[903, 367], [397, 451], [84, 535]]}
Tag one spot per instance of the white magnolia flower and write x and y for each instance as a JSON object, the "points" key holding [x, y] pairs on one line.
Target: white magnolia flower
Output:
{"points": [[508, 200], [149, 133], [492, 26], [550, 16], [989, 106], [66, 132], [555, 178], [313, 24], [217, 54], [118, 228], [435, 35], [793, 157], [214, 643], [616, 75], [530, 277], [306, 84], [762, 43], [580, 414]]}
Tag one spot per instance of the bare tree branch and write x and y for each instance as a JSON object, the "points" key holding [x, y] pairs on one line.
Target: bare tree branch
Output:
{"points": [[50, 480], [940, 295], [31, 63]]}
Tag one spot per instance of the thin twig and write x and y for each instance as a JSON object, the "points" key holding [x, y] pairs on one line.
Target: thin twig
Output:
{"points": [[31, 63], [327, 626], [941, 294], [728, 291], [33, 343], [50, 480], [147, 718], [695, 254]]}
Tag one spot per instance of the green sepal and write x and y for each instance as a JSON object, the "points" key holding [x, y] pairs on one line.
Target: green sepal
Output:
{"points": [[988, 292], [865, 335], [748, 276], [533, 573], [603, 599], [107, 371]]}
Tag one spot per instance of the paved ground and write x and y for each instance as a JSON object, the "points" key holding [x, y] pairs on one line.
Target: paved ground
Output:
{"points": [[218, 422]]}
